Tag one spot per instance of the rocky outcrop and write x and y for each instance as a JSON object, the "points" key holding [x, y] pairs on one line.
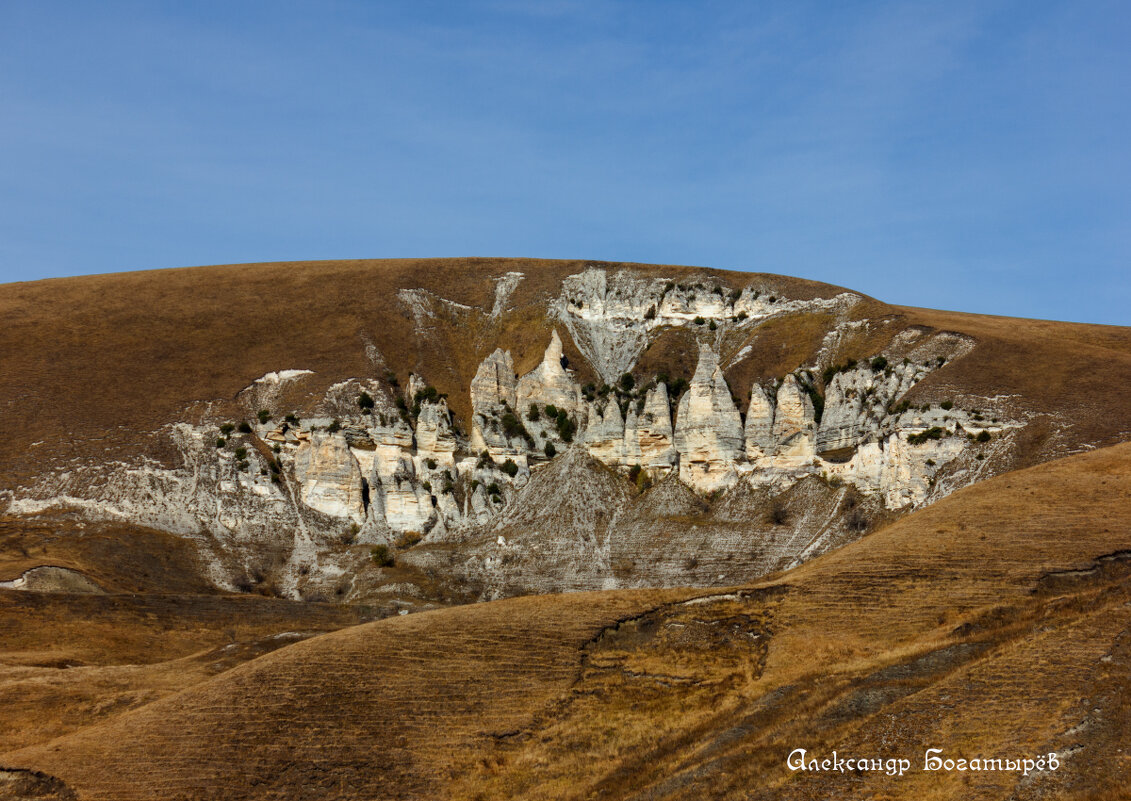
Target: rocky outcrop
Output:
{"points": [[403, 502], [330, 478], [648, 436], [759, 430], [794, 425], [434, 437], [494, 383], [857, 401], [604, 433], [708, 430], [493, 391], [549, 383]]}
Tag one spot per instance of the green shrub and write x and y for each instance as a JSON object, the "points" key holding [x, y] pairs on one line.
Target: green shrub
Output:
{"points": [[430, 463], [243, 466], [381, 556], [227, 429], [734, 295], [334, 427], [713, 326], [493, 489], [627, 382], [485, 460], [566, 427], [277, 448], [241, 453], [510, 468], [221, 442], [699, 321], [947, 405], [879, 363], [934, 432], [551, 410], [514, 428], [534, 415], [365, 401], [244, 427], [550, 450], [291, 419], [633, 472], [650, 314], [983, 436], [427, 485], [263, 416], [742, 316]]}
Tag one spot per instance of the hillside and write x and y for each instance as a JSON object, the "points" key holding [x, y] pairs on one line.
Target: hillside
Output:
{"points": [[281, 421], [989, 624]]}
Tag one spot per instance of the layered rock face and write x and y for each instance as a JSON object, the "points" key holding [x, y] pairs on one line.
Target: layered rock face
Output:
{"points": [[549, 383], [604, 433], [492, 392], [708, 430], [759, 431], [857, 401], [434, 437], [330, 477], [403, 466], [648, 437], [794, 425]]}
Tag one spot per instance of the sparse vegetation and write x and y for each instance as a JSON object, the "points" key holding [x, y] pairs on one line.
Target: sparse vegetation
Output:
{"points": [[409, 539], [382, 556], [934, 432]]}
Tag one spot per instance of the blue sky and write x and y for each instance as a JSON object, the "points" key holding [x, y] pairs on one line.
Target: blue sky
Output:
{"points": [[961, 155]]}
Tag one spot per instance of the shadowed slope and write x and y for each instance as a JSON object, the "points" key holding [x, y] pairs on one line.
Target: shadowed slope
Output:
{"points": [[990, 624]]}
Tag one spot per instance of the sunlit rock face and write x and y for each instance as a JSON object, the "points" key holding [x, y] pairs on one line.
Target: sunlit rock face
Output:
{"points": [[434, 437], [549, 383], [604, 432], [492, 393], [708, 429], [330, 478], [759, 431], [648, 436], [794, 426]]}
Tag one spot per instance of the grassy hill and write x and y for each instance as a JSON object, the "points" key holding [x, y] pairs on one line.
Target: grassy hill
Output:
{"points": [[991, 624]]}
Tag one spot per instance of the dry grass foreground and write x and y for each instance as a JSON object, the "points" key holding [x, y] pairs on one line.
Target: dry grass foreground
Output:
{"points": [[992, 624]]}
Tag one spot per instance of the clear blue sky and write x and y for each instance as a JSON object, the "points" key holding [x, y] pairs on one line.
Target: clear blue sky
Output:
{"points": [[962, 155]]}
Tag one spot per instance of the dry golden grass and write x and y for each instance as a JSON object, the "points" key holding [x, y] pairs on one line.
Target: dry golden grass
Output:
{"points": [[988, 624]]}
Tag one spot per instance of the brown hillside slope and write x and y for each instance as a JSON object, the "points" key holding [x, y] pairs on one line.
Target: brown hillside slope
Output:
{"points": [[992, 624], [94, 364]]}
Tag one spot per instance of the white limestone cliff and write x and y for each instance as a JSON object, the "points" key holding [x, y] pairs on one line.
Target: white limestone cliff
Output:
{"points": [[794, 425], [648, 437], [759, 430], [330, 477], [708, 429]]}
